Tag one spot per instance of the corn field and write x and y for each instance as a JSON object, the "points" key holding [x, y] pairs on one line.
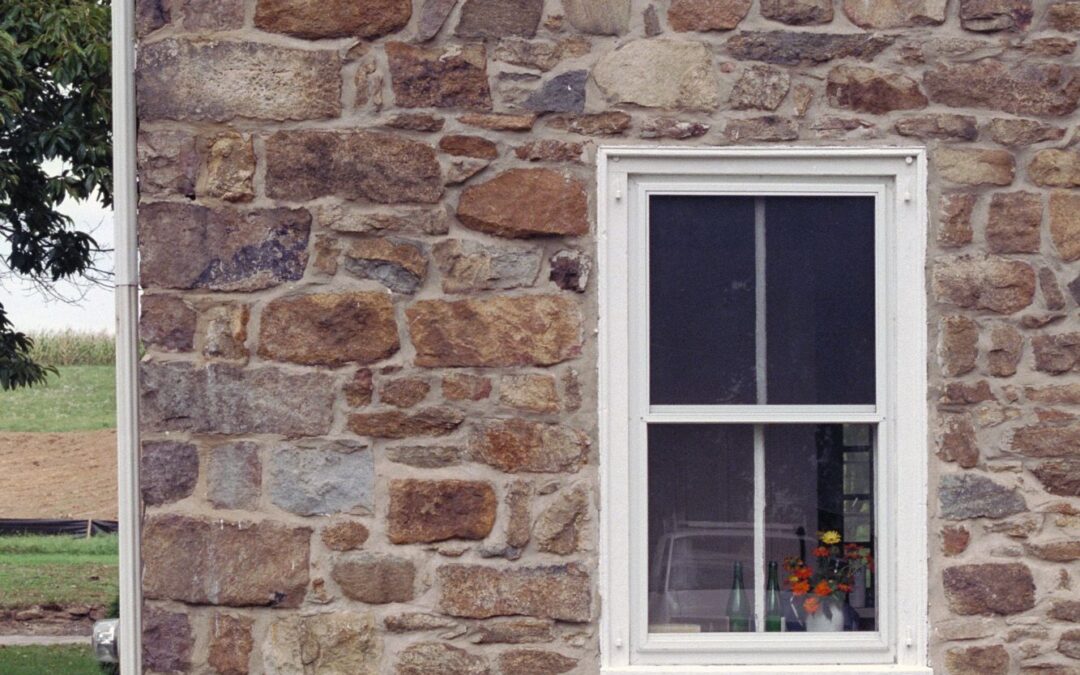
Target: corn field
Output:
{"points": [[73, 348]]}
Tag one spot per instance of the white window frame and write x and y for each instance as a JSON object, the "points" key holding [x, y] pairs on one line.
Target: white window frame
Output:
{"points": [[896, 178]]}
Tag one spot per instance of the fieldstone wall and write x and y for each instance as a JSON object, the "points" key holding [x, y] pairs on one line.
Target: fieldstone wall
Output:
{"points": [[368, 396]]}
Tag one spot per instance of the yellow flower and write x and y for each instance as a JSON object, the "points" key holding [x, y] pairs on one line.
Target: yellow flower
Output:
{"points": [[831, 537]]}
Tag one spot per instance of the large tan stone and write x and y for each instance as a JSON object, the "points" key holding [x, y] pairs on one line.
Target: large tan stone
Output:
{"points": [[228, 169], [220, 562], [530, 392], [439, 658], [1021, 89], [989, 660], [868, 90], [335, 643], [333, 18], [364, 165], [974, 166], [560, 528], [599, 17], [1065, 224], [706, 15], [376, 579], [522, 446], [1017, 132], [424, 511], [496, 331], [560, 592], [659, 73], [1056, 168], [895, 13], [996, 284], [223, 249], [454, 77], [990, 588], [218, 81], [329, 329], [526, 203]]}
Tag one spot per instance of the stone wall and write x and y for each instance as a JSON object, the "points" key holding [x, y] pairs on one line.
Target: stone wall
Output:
{"points": [[369, 390]]}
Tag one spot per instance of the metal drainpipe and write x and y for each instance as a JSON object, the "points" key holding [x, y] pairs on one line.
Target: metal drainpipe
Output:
{"points": [[125, 193]]}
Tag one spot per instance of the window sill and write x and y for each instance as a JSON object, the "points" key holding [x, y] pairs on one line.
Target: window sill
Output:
{"points": [[768, 670]]}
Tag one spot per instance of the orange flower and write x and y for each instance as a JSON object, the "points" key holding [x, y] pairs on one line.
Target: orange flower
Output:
{"points": [[800, 588], [821, 552], [823, 589], [803, 573], [846, 588], [812, 605]]}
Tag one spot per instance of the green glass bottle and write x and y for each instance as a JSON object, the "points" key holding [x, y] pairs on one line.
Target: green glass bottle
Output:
{"points": [[738, 609], [774, 615]]}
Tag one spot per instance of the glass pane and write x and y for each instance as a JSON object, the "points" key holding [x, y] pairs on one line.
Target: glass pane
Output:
{"points": [[820, 300], [819, 485], [815, 257], [701, 306], [701, 526]]}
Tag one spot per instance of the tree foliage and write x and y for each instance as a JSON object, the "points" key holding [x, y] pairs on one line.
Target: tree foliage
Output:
{"points": [[54, 106]]}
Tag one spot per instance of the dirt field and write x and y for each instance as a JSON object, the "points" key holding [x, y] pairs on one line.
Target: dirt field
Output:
{"points": [[62, 475]]}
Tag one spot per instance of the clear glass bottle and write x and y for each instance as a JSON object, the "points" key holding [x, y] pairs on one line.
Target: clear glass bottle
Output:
{"points": [[774, 614], [738, 609]]}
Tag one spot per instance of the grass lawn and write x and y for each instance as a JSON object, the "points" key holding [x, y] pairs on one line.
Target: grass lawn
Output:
{"points": [[38, 570], [81, 398], [66, 659]]}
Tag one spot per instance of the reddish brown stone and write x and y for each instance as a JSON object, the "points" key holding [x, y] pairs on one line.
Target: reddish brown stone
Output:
{"points": [[1056, 168], [519, 523], [938, 125], [167, 322], [1040, 89], [219, 81], [230, 644], [423, 511], [669, 127], [346, 535], [1061, 551], [954, 539], [499, 18], [224, 250], [1016, 132], [465, 387], [329, 329], [437, 421], [333, 19], [535, 662], [611, 123], [1065, 610], [383, 168], [1006, 348], [404, 392], [958, 345], [707, 15], [439, 78], [560, 592], [991, 660], [167, 641], [995, 15], [1065, 224], [530, 392], [416, 122], [209, 15], [526, 203], [1048, 283], [1064, 16], [1059, 476], [872, 91], [218, 562], [497, 331], [468, 146], [518, 445], [798, 12], [995, 284], [169, 471], [1047, 440], [958, 442], [962, 393], [991, 588], [954, 224], [549, 150], [1014, 222], [1056, 354], [376, 579], [1069, 644], [359, 390]]}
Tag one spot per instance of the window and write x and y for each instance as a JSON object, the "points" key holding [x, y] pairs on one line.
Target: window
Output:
{"points": [[763, 415]]}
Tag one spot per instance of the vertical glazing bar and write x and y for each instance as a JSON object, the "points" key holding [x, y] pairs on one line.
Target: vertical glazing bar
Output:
{"points": [[760, 361]]}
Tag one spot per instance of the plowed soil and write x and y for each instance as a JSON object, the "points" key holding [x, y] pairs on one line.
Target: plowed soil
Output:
{"points": [[63, 475]]}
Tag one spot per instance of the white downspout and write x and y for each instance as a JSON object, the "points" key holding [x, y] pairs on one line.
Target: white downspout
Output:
{"points": [[125, 198]]}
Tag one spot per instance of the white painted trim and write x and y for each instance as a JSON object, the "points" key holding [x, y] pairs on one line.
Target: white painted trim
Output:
{"points": [[897, 179], [125, 206]]}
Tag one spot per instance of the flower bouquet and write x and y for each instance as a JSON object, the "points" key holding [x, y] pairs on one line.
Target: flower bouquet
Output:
{"points": [[823, 588]]}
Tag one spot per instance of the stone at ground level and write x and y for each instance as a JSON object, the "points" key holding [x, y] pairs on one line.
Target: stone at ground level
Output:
{"points": [[424, 511], [560, 592], [219, 562], [334, 19], [991, 588], [335, 643], [329, 329], [496, 331]]}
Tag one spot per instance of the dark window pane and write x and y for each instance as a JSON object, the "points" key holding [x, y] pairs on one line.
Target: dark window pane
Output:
{"points": [[819, 478], [701, 523], [701, 272], [820, 300]]}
